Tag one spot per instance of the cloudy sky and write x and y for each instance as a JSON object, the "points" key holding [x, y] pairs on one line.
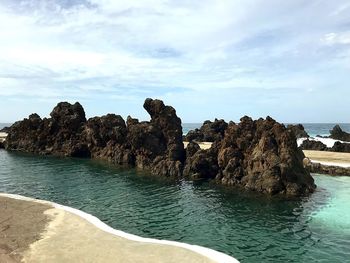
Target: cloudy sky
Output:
{"points": [[227, 58]]}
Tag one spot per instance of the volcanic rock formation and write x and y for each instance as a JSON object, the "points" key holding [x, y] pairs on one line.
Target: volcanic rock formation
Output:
{"points": [[259, 155], [338, 134], [313, 145], [209, 132], [298, 130]]}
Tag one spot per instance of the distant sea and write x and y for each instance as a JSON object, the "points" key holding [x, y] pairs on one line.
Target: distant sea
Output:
{"points": [[312, 129]]}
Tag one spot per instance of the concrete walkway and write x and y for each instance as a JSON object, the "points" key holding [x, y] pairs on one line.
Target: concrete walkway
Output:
{"points": [[40, 231]]}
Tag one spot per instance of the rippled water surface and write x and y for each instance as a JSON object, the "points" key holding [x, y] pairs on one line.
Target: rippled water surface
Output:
{"points": [[250, 227]]}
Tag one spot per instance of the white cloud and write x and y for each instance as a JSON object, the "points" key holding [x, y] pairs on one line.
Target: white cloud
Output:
{"points": [[85, 49]]}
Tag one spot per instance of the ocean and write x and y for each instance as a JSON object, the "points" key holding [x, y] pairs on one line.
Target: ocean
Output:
{"points": [[245, 225]]}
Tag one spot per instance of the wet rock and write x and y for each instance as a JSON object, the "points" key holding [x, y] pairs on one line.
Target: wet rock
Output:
{"points": [[298, 130], [338, 134], [201, 165], [209, 132], [313, 145]]}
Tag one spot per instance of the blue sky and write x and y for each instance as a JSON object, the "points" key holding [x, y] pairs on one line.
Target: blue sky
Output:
{"points": [[228, 58]]}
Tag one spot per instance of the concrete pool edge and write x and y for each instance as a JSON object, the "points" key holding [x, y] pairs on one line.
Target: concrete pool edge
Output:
{"points": [[203, 251]]}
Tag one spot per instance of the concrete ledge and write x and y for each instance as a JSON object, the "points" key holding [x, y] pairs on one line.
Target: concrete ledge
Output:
{"points": [[75, 236]]}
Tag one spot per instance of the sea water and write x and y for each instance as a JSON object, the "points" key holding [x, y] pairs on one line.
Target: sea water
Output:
{"points": [[248, 226]]}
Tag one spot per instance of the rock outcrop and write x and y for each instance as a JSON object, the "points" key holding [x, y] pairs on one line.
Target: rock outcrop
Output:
{"points": [[341, 147], [58, 135], [209, 132], [259, 155], [314, 167], [298, 130], [319, 146], [313, 145], [5, 129], [156, 145], [338, 134]]}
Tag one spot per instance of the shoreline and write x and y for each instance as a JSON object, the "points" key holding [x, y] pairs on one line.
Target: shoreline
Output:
{"points": [[96, 239]]}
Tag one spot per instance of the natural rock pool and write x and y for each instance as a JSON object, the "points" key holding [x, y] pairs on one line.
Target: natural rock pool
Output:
{"points": [[248, 226]]}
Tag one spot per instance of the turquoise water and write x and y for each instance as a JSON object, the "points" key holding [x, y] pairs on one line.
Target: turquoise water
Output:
{"points": [[248, 226]]}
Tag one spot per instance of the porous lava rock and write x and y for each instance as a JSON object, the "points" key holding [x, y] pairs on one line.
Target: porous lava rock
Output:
{"points": [[208, 132]]}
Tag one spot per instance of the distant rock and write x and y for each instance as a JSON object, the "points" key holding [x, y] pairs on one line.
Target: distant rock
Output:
{"points": [[314, 167], [209, 132], [298, 130], [341, 147], [313, 145], [338, 134]]}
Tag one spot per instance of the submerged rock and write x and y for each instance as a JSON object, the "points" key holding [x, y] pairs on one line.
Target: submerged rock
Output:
{"points": [[298, 130], [209, 132], [258, 155], [338, 134]]}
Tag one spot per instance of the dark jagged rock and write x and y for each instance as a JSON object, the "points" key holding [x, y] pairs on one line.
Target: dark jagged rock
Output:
{"points": [[259, 155], [298, 130], [105, 137], [203, 164], [5, 129], [338, 134], [313, 145], [314, 167], [2, 146], [58, 135], [165, 120], [209, 132], [341, 147], [191, 149]]}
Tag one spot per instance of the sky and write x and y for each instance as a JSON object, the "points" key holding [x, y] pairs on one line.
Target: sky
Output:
{"points": [[288, 59]]}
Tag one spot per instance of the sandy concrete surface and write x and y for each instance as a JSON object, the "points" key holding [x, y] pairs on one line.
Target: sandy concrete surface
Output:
{"points": [[329, 158], [69, 237], [203, 145], [21, 224], [3, 136]]}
